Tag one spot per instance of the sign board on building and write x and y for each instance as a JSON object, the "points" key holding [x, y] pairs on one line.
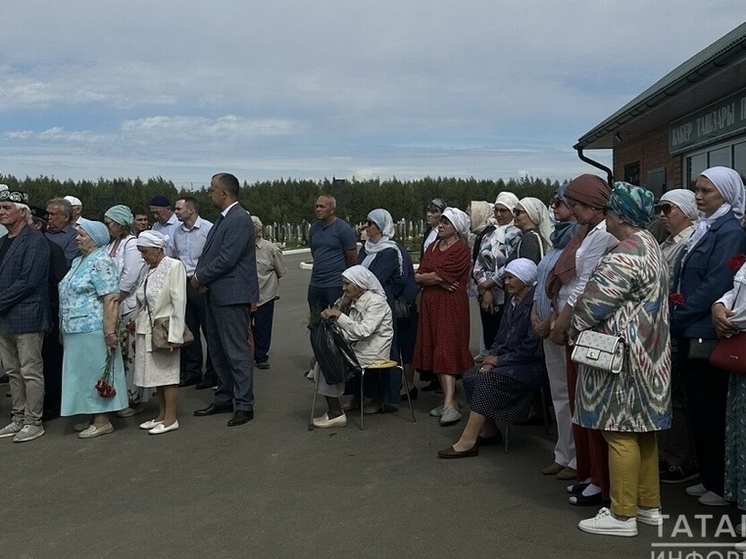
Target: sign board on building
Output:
{"points": [[717, 121]]}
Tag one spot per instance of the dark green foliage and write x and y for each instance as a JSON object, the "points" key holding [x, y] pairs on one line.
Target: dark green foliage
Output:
{"points": [[289, 200]]}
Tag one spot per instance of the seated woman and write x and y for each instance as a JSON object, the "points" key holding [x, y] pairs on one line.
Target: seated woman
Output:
{"points": [[502, 388], [365, 319]]}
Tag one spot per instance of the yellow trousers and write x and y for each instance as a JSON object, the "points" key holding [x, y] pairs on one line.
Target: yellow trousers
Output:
{"points": [[633, 470]]}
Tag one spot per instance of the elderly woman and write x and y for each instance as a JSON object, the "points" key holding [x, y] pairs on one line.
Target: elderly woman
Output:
{"points": [[701, 277], [382, 256], [627, 296], [587, 196], [123, 250], [554, 355], [490, 255], [161, 294], [443, 329], [503, 387], [531, 216], [366, 322], [89, 310], [432, 219]]}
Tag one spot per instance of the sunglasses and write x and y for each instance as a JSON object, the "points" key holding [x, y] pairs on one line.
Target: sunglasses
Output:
{"points": [[557, 202], [665, 209], [517, 212]]}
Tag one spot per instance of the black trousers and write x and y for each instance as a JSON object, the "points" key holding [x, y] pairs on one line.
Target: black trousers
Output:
{"points": [[51, 354], [196, 319], [261, 326], [707, 394]]}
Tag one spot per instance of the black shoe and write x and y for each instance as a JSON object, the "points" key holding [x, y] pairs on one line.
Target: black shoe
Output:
{"points": [[189, 380], [678, 474], [240, 417], [212, 409], [206, 383], [412, 395], [497, 438], [263, 365]]}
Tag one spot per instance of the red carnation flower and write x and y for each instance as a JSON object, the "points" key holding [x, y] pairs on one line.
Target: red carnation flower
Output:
{"points": [[735, 262], [677, 299]]}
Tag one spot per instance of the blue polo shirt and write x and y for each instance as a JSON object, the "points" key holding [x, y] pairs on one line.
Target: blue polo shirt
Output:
{"points": [[328, 246]]}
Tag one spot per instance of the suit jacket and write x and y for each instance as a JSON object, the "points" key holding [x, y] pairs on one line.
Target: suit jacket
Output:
{"points": [[704, 277], [24, 284], [227, 265]]}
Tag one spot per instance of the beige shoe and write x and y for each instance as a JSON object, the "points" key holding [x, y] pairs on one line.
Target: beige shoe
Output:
{"points": [[324, 422], [567, 474], [93, 431], [552, 469]]}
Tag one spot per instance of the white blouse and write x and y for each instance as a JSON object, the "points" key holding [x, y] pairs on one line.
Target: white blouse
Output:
{"points": [[735, 299]]}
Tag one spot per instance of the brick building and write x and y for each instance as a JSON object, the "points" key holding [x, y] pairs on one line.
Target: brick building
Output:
{"points": [[691, 119]]}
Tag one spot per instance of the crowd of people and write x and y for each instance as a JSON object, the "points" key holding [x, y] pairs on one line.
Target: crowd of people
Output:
{"points": [[598, 264], [96, 318]]}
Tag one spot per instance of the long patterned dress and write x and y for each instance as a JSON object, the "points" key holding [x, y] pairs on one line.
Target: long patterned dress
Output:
{"points": [[631, 279], [443, 329]]}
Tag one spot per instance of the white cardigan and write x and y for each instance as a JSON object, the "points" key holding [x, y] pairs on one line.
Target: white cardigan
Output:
{"points": [[166, 297], [368, 327]]}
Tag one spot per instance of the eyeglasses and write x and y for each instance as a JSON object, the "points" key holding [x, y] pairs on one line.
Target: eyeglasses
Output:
{"points": [[557, 202], [517, 212], [665, 209]]}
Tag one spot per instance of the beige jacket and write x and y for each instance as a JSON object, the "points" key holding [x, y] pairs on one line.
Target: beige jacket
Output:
{"points": [[166, 297]]}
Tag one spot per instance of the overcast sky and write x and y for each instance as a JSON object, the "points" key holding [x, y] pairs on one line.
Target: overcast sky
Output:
{"points": [[321, 88]]}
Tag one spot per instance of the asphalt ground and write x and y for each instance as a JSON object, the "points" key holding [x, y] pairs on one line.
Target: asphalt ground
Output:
{"points": [[274, 489]]}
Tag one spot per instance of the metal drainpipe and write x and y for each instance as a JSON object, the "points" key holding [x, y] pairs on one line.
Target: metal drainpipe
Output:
{"points": [[596, 164]]}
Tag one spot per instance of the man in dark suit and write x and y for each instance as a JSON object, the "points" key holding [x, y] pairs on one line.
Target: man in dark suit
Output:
{"points": [[24, 315], [226, 271]]}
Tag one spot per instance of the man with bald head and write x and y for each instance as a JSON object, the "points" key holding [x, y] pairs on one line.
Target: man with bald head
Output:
{"points": [[334, 249]]}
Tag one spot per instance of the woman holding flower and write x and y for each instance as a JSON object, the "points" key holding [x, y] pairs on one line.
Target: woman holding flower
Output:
{"points": [[701, 277], [89, 309]]}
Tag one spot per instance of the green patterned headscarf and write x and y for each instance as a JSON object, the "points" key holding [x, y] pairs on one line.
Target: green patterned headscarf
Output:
{"points": [[632, 204]]}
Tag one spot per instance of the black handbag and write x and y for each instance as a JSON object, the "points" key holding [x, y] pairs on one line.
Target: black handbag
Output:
{"points": [[334, 355], [402, 310]]}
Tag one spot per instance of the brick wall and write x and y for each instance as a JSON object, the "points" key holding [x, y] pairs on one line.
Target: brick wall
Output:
{"points": [[651, 150]]}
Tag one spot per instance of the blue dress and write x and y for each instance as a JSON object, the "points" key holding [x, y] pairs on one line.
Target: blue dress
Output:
{"points": [[81, 291]]}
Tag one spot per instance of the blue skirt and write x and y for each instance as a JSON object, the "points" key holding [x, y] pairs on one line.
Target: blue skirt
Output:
{"points": [[83, 363]]}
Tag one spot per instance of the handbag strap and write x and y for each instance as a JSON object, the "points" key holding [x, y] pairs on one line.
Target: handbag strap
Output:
{"points": [[147, 305], [629, 320]]}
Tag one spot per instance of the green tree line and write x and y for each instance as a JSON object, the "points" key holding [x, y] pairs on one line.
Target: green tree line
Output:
{"points": [[288, 200]]}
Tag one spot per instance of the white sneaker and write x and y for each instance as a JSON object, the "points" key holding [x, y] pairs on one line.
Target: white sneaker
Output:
{"points": [[604, 523], [28, 433], [450, 416], [696, 490], [324, 422], [711, 499], [651, 517], [437, 411], [478, 358], [11, 429]]}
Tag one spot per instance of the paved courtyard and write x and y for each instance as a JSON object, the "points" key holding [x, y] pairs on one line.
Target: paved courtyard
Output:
{"points": [[273, 489]]}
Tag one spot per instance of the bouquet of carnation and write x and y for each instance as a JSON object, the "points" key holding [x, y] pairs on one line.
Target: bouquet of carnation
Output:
{"points": [[677, 299], [104, 384]]}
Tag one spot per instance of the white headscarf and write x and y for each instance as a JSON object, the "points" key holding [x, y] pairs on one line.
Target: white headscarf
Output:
{"points": [[682, 198], [479, 215], [730, 186], [510, 201], [537, 212], [385, 223], [524, 269], [458, 219], [152, 239], [363, 278]]}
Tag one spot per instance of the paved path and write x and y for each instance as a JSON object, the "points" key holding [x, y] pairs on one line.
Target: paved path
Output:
{"points": [[273, 489]]}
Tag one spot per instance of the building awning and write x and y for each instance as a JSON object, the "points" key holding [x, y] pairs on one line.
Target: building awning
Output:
{"points": [[714, 73]]}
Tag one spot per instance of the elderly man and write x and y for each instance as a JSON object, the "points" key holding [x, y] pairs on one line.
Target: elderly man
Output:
{"points": [[334, 249], [187, 243], [678, 212], [77, 207], [60, 228], [270, 267], [24, 315], [165, 219], [226, 271]]}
